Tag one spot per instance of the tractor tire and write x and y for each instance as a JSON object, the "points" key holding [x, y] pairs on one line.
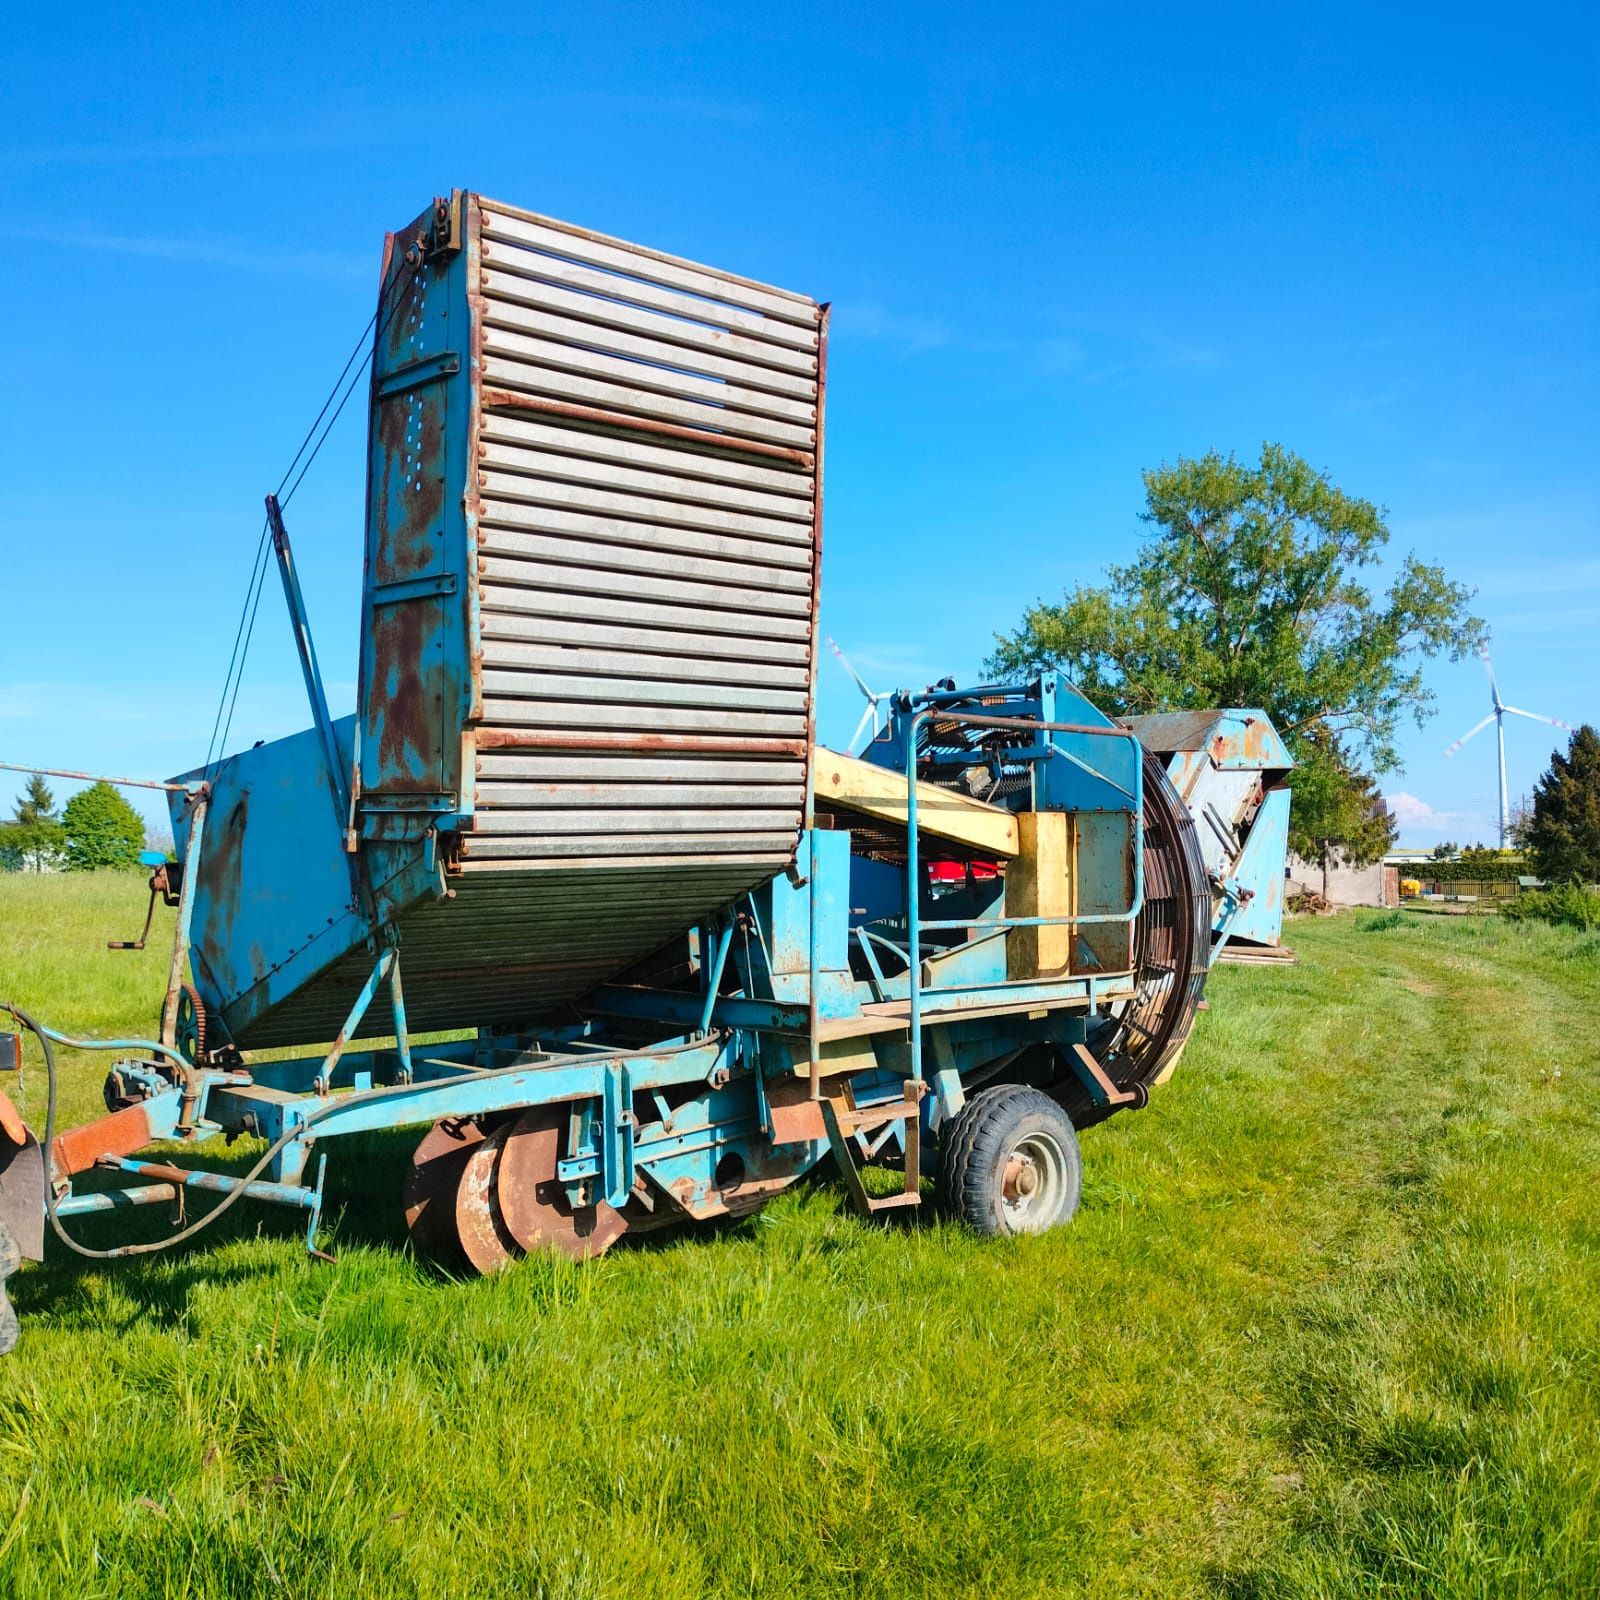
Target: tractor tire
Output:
{"points": [[1009, 1163]]}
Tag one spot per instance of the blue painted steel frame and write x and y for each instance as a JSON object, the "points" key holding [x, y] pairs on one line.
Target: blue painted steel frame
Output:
{"points": [[418, 591], [726, 1047], [913, 711]]}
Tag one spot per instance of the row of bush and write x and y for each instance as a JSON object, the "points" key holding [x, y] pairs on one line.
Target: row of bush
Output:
{"points": [[1568, 905], [1483, 866], [97, 828]]}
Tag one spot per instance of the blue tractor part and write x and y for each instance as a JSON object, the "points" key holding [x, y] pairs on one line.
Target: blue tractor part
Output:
{"points": [[579, 819], [1231, 768]]}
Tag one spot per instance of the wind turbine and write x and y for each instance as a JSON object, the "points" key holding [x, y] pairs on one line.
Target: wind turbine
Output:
{"points": [[1497, 716], [872, 699]]}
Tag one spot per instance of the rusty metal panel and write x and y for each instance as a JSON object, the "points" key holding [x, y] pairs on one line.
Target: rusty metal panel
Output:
{"points": [[415, 677], [540, 499], [552, 629], [643, 721], [635, 772], [513, 943], [646, 495], [690, 595], [626, 663], [1229, 766], [585, 709], [1243, 739], [542, 594], [792, 375], [548, 279], [718, 475], [657, 559]]}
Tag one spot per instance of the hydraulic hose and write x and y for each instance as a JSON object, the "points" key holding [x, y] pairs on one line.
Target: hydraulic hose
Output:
{"points": [[155, 1246]]}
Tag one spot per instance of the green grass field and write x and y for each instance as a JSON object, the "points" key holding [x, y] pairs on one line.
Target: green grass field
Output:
{"points": [[1326, 1325]]}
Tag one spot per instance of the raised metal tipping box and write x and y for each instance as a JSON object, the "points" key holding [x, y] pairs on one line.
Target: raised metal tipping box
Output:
{"points": [[586, 656]]}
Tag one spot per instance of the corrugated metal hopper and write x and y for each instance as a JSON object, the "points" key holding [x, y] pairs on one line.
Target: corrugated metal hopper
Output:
{"points": [[588, 618]]}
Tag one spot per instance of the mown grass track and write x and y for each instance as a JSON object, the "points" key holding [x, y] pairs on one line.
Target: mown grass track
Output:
{"points": [[1325, 1326]]}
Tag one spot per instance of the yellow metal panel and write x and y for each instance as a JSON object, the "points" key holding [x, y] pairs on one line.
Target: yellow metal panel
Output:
{"points": [[1038, 884], [941, 813]]}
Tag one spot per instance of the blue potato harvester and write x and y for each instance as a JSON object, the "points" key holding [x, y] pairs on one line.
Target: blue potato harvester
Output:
{"points": [[579, 823]]}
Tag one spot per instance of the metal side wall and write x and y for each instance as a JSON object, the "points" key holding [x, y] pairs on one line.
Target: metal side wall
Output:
{"points": [[645, 504], [584, 714]]}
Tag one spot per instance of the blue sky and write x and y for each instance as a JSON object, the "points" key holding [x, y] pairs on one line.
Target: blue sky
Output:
{"points": [[1063, 244]]}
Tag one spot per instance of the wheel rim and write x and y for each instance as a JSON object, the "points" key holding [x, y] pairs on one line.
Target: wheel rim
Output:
{"points": [[1035, 1183]]}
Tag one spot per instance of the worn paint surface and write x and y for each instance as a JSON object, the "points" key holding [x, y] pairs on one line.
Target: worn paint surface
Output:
{"points": [[415, 673], [583, 738], [274, 905], [1229, 766]]}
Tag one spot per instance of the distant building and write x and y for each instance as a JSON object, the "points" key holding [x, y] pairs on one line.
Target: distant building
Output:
{"points": [[1377, 885]]}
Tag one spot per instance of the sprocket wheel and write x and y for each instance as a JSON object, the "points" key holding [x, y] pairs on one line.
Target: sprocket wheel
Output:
{"points": [[481, 1230], [190, 1031]]}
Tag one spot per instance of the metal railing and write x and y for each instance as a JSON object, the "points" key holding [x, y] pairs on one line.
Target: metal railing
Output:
{"points": [[916, 926]]}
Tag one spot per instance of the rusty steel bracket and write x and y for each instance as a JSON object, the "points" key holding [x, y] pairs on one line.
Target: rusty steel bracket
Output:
{"points": [[843, 1120], [199, 803], [1096, 1080], [443, 235], [22, 1185]]}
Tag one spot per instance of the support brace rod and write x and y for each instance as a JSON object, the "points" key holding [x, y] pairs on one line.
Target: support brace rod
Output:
{"points": [[283, 1194], [338, 784], [77, 1205]]}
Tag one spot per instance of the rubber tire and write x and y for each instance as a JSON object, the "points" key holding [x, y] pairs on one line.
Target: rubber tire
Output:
{"points": [[10, 1260], [978, 1143]]}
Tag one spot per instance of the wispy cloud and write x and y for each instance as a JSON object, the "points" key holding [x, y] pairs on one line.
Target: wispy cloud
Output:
{"points": [[891, 664], [1090, 354], [1552, 617], [1065, 353], [275, 142], [1165, 349], [1518, 541], [910, 333], [1579, 303], [49, 702], [1423, 823], [1536, 578], [231, 256], [1412, 811], [883, 664], [1367, 405]]}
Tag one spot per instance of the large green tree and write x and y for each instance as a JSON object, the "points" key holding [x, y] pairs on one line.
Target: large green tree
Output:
{"points": [[102, 830], [32, 841], [1253, 591], [1563, 832]]}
